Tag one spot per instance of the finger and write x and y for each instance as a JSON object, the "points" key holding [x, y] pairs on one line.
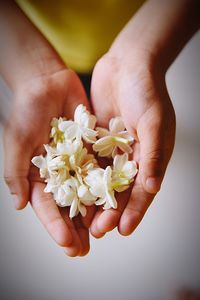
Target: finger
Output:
{"points": [[80, 245], [87, 220], [107, 220], [17, 163], [48, 213], [156, 145], [75, 247], [135, 209], [95, 232], [76, 95], [83, 236]]}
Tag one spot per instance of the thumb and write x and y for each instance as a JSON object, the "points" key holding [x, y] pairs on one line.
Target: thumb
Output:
{"points": [[156, 142], [16, 168]]}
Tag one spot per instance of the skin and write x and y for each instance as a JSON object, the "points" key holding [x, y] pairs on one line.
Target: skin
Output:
{"points": [[133, 86], [146, 111], [131, 79], [44, 88], [25, 135]]}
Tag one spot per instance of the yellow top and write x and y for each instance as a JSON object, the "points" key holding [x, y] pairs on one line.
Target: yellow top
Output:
{"points": [[81, 31]]}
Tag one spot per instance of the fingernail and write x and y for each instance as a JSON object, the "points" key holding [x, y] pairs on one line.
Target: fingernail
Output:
{"points": [[16, 201], [153, 185]]}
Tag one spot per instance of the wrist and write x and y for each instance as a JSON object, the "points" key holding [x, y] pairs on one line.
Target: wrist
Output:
{"points": [[159, 31], [25, 53], [43, 89], [36, 65], [138, 59]]}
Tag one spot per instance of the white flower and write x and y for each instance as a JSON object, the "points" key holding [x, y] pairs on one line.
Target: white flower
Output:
{"points": [[75, 195], [40, 162], [56, 135], [100, 183], [82, 161], [64, 168], [68, 147], [123, 173], [43, 162], [112, 139], [82, 126], [48, 166], [53, 167], [56, 180], [73, 175]]}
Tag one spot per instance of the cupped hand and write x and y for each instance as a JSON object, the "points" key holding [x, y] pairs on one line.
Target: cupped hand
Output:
{"points": [[134, 88], [35, 104]]}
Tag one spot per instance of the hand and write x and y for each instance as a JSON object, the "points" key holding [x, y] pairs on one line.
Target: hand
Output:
{"points": [[130, 81], [35, 104], [135, 90]]}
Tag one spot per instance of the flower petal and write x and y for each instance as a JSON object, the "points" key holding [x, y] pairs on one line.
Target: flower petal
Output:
{"points": [[39, 161], [100, 201], [82, 209], [51, 151], [92, 122], [83, 117], [69, 193], [106, 205], [106, 152], [48, 188], [121, 188], [56, 163], [82, 191], [124, 134], [89, 202], [114, 152], [73, 208], [110, 197], [102, 132], [107, 177], [103, 143], [78, 113], [63, 126], [64, 199], [124, 147], [85, 196], [89, 135], [116, 125], [69, 147], [72, 132], [130, 169], [119, 161], [94, 180]]}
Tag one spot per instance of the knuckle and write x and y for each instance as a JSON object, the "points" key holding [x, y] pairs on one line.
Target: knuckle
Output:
{"points": [[156, 155], [14, 135], [42, 202], [9, 180]]}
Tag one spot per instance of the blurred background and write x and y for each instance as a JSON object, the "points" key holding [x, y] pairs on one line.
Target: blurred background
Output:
{"points": [[158, 261]]}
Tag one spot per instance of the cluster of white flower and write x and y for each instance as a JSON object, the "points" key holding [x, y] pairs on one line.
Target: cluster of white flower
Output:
{"points": [[73, 175]]}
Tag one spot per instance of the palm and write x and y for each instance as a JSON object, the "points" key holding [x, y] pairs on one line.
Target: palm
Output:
{"points": [[132, 94], [42, 100]]}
